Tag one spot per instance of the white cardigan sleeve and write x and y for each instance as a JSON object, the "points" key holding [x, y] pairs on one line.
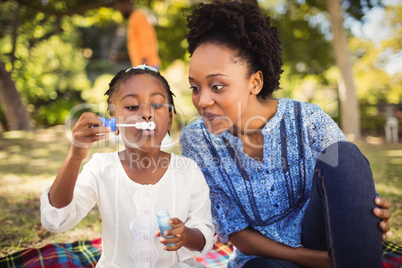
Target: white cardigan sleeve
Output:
{"points": [[84, 199], [199, 216]]}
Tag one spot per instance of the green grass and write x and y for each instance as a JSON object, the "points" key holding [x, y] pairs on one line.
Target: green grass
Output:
{"points": [[29, 162], [386, 165]]}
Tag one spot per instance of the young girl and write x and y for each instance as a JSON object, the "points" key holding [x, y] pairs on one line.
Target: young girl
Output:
{"points": [[132, 185]]}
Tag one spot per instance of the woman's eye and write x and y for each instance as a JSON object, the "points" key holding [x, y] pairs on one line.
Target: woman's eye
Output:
{"points": [[217, 87], [132, 108], [194, 88]]}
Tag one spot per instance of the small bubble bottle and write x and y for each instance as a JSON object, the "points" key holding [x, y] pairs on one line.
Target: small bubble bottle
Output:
{"points": [[163, 218]]}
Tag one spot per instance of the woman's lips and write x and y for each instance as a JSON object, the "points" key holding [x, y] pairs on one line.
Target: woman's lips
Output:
{"points": [[210, 116]]}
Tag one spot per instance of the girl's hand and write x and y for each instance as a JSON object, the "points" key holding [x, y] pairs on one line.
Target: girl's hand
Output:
{"points": [[382, 212], [179, 233], [85, 134]]}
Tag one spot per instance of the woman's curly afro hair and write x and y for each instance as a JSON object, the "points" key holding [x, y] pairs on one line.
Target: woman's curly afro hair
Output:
{"points": [[243, 28]]}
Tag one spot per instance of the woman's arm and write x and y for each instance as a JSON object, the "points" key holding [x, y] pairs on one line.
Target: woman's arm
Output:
{"points": [[251, 242]]}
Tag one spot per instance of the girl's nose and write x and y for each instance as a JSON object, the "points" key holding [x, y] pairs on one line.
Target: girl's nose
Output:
{"points": [[146, 113], [146, 117]]}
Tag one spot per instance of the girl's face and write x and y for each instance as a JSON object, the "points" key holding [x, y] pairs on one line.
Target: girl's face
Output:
{"points": [[142, 98], [221, 87]]}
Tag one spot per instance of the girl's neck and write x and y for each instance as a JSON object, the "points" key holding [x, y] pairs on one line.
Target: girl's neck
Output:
{"points": [[144, 167]]}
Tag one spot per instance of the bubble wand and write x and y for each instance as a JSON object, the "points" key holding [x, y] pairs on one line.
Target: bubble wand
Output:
{"points": [[112, 123]]}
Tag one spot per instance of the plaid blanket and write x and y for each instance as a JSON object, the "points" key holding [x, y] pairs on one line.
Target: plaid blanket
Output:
{"points": [[87, 254], [58, 255], [392, 256]]}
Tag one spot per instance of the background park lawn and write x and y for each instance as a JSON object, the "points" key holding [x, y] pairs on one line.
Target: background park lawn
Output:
{"points": [[29, 161]]}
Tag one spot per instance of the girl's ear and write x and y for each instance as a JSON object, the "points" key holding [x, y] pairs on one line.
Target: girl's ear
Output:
{"points": [[257, 81], [170, 121]]}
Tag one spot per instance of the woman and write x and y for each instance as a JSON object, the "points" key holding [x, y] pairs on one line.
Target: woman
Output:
{"points": [[287, 189]]}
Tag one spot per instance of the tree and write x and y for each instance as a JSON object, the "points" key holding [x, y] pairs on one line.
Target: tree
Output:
{"points": [[20, 12], [350, 120], [10, 99]]}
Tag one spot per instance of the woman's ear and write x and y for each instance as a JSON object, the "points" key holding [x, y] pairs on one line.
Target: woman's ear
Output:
{"points": [[257, 81]]}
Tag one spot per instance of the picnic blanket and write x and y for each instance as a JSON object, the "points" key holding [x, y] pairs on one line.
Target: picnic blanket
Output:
{"points": [[87, 254]]}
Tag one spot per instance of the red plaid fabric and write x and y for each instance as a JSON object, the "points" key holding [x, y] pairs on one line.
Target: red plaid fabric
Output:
{"points": [[87, 254]]}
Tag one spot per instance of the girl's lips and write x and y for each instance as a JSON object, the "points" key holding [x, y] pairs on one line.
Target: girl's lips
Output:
{"points": [[147, 132], [209, 116]]}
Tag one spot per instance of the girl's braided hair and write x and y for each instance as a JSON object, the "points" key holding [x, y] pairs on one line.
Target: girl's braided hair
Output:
{"points": [[243, 28], [123, 75]]}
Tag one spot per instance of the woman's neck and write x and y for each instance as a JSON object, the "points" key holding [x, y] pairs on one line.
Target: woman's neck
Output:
{"points": [[254, 121], [255, 118]]}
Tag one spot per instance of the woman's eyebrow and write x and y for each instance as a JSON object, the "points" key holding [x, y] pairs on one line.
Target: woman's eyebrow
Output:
{"points": [[209, 76]]}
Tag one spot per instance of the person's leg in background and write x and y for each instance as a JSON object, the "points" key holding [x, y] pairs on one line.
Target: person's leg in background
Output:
{"points": [[340, 216]]}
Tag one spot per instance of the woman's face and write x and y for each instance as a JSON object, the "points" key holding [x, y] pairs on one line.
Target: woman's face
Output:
{"points": [[142, 98], [221, 87]]}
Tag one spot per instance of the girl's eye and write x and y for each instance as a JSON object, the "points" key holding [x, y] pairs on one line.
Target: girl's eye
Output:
{"points": [[194, 88], [132, 108], [156, 105], [217, 87]]}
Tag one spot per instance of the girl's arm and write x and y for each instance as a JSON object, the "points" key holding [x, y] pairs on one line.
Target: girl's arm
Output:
{"points": [[190, 238], [252, 242], [195, 239], [61, 191]]}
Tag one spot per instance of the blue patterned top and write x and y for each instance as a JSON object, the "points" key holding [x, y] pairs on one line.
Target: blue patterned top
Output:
{"points": [[269, 196]]}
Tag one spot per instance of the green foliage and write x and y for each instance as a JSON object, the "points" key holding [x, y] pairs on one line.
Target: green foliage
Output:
{"points": [[305, 47], [373, 84], [170, 30], [49, 67], [354, 8], [52, 67]]}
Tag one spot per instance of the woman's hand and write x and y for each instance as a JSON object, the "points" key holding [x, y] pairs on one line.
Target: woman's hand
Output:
{"points": [[192, 239], [85, 134], [382, 212]]}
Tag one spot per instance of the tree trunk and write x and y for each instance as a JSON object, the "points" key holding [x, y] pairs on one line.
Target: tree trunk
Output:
{"points": [[14, 110], [350, 118]]}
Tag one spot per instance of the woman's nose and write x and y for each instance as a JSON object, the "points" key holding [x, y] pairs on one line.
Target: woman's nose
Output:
{"points": [[204, 99]]}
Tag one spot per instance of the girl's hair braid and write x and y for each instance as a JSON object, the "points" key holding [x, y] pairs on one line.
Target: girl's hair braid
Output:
{"points": [[243, 28], [123, 75]]}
